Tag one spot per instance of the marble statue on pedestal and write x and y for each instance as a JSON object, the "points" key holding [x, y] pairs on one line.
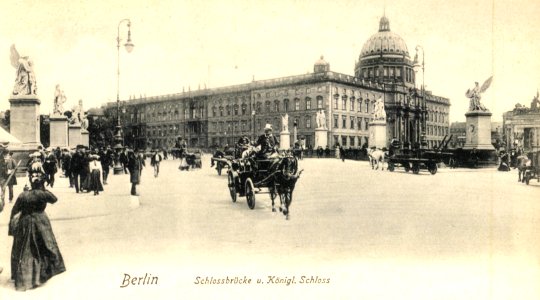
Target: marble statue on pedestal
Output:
{"points": [[474, 95], [379, 113], [59, 100], [25, 83], [285, 123], [321, 119]]}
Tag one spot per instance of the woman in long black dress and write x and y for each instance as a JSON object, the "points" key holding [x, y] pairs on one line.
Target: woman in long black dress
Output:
{"points": [[35, 256]]}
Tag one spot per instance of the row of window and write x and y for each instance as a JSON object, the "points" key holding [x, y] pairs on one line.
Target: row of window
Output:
{"points": [[357, 123], [361, 105], [351, 141], [297, 91], [437, 130]]}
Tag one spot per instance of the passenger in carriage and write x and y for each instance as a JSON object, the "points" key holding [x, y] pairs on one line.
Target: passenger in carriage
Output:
{"points": [[267, 143], [242, 145]]}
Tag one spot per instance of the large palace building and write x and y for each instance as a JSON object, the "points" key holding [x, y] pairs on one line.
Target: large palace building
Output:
{"points": [[219, 116]]}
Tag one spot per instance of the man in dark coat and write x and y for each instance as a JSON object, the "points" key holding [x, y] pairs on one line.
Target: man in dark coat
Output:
{"points": [[50, 166], [12, 168], [106, 159], [66, 166], [78, 162], [267, 142], [135, 166], [3, 174]]}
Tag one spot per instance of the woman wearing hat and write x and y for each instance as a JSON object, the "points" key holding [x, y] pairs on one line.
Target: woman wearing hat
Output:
{"points": [[35, 256]]}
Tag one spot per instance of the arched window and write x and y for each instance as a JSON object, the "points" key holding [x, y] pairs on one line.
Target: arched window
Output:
{"points": [[352, 103], [286, 105], [359, 104], [344, 103], [308, 103], [319, 102], [276, 105], [367, 106]]}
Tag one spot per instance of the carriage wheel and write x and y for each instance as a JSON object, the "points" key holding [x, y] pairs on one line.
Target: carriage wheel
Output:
{"points": [[391, 167], [250, 193], [232, 186], [218, 168], [415, 168], [406, 166], [433, 169]]}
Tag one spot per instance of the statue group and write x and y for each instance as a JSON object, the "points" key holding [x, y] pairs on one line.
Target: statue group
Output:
{"points": [[25, 82], [379, 113], [475, 95], [321, 120]]}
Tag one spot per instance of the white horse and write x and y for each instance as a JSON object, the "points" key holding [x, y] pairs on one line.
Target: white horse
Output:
{"points": [[376, 156]]}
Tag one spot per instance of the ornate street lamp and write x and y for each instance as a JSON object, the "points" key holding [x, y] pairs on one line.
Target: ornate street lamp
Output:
{"points": [[416, 63], [118, 137]]}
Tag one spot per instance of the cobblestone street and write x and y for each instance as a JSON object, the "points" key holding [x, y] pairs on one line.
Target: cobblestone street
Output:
{"points": [[374, 234]]}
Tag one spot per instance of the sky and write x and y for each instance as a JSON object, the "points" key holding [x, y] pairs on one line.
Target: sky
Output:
{"points": [[187, 44]]}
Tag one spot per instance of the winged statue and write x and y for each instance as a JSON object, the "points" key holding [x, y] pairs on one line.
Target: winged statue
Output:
{"points": [[475, 95], [25, 83]]}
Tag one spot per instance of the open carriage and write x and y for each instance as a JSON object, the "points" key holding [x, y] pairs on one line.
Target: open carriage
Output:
{"points": [[416, 159], [249, 176], [191, 160]]}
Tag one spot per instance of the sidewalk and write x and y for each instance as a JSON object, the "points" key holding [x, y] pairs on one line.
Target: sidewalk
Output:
{"points": [[70, 205]]}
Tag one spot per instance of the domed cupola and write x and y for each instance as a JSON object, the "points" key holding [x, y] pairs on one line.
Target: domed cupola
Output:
{"points": [[321, 66], [385, 57]]}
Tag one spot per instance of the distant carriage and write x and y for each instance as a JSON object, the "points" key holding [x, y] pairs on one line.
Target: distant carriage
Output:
{"points": [[416, 159], [191, 160], [249, 175]]}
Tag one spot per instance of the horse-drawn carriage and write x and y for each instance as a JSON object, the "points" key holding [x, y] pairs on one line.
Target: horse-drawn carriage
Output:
{"points": [[223, 159], [247, 176], [191, 160], [416, 159]]}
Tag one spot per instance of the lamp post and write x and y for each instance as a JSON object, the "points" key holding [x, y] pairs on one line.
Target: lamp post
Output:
{"points": [[118, 137], [423, 141]]}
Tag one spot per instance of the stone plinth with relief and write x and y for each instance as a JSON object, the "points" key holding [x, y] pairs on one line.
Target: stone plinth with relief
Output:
{"points": [[377, 134], [24, 119], [58, 131], [75, 136], [478, 131]]}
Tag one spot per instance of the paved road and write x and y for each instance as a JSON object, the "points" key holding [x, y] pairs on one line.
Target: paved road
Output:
{"points": [[459, 234]]}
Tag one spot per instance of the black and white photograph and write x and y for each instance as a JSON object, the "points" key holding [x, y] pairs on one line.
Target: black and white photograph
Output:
{"points": [[270, 149]]}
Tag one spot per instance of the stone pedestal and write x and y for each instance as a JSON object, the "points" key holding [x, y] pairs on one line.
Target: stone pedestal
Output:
{"points": [[85, 138], [58, 133], [24, 119], [321, 138], [377, 134], [75, 137], [478, 131], [285, 140]]}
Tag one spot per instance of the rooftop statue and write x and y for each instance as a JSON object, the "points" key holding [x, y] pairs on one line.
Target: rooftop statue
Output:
{"points": [[474, 95], [25, 83]]}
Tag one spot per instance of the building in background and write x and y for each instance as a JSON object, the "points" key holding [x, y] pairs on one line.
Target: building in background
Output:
{"points": [[220, 116], [522, 126]]}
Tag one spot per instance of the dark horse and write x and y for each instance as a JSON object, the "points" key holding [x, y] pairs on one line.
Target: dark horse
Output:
{"points": [[284, 174]]}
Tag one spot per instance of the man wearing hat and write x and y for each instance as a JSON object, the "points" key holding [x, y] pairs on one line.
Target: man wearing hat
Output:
{"points": [[3, 173], [78, 162], [267, 143]]}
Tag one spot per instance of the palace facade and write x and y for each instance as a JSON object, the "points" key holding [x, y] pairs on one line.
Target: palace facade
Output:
{"points": [[219, 116]]}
